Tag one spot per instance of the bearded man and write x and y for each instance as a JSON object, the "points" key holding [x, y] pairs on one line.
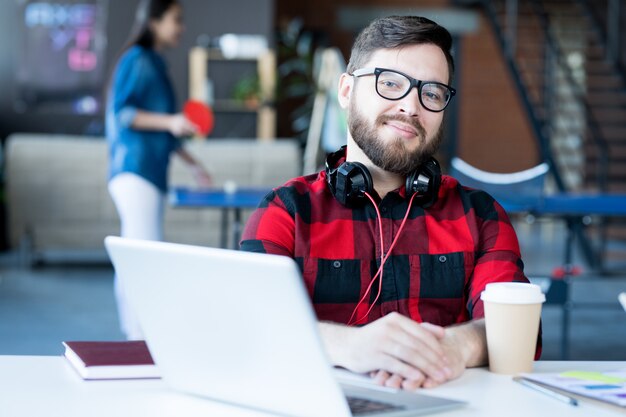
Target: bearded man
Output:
{"points": [[394, 255]]}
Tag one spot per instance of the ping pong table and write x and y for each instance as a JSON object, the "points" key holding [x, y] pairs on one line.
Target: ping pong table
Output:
{"points": [[235, 202], [572, 208]]}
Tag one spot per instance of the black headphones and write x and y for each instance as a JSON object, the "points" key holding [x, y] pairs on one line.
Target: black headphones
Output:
{"points": [[349, 181]]}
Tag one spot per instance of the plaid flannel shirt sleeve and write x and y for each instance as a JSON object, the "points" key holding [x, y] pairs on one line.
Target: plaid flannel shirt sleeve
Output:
{"points": [[270, 228], [498, 258]]}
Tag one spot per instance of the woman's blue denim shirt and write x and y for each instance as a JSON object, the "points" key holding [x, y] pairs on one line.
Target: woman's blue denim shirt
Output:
{"points": [[140, 82]]}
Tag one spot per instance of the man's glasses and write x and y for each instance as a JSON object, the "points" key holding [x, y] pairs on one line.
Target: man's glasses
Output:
{"points": [[395, 85]]}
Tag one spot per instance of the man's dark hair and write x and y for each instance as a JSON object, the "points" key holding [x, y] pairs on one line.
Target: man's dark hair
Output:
{"points": [[398, 31]]}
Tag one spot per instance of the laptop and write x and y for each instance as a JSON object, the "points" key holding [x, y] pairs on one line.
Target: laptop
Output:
{"points": [[238, 327]]}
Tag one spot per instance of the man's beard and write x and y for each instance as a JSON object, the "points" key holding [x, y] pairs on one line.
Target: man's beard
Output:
{"points": [[391, 156]]}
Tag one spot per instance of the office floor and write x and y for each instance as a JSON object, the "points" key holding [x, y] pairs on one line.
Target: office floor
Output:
{"points": [[42, 306]]}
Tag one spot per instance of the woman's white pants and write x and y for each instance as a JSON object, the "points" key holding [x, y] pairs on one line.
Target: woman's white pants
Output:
{"points": [[140, 205]]}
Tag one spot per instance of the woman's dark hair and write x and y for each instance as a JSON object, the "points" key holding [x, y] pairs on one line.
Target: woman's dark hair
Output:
{"points": [[146, 11], [141, 34], [395, 32]]}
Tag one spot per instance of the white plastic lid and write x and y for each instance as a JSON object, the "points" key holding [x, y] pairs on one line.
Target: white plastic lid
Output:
{"points": [[513, 293]]}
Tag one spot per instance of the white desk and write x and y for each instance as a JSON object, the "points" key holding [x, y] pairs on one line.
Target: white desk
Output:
{"points": [[46, 386]]}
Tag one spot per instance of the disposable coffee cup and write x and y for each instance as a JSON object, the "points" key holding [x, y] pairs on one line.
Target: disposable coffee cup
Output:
{"points": [[512, 314]]}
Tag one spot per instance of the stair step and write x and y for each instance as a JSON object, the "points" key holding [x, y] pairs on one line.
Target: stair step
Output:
{"points": [[610, 81], [615, 171], [533, 29], [614, 140], [612, 187], [609, 116], [530, 25], [601, 107], [607, 98], [617, 153], [615, 144], [533, 69], [536, 46], [591, 162], [535, 63], [562, 91], [610, 113], [598, 66], [614, 131], [553, 14]]}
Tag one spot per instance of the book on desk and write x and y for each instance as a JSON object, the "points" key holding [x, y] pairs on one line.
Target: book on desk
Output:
{"points": [[111, 360]]}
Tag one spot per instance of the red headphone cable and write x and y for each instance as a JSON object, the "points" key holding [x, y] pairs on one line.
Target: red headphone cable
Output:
{"points": [[383, 260]]}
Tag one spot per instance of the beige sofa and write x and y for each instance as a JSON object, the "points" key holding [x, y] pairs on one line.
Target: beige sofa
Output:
{"points": [[59, 207]]}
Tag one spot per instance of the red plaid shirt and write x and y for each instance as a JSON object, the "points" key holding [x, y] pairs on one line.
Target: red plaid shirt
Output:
{"points": [[443, 259]]}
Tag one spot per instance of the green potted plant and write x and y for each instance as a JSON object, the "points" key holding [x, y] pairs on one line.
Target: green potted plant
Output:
{"points": [[248, 91]]}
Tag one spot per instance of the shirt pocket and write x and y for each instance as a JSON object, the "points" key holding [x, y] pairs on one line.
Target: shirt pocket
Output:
{"points": [[332, 281], [444, 275], [441, 294]]}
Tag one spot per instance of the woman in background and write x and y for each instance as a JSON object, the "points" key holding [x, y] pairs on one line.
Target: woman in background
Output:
{"points": [[143, 128]]}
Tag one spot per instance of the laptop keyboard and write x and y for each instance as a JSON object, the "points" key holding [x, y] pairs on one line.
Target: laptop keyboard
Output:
{"points": [[363, 406]]}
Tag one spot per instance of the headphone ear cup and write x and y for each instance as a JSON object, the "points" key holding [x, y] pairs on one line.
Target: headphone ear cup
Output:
{"points": [[352, 181], [425, 182]]}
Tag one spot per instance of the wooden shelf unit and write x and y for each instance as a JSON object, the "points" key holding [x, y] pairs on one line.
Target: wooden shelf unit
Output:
{"points": [[199, 74]]}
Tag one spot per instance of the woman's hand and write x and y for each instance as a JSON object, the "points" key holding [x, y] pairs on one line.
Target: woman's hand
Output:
{"points": [[201, 176], [180, 126]]}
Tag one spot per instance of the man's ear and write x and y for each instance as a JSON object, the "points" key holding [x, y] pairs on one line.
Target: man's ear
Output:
{"points": [[346, 83]]}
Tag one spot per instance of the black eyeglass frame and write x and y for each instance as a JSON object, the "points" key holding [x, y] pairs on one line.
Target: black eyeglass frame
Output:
{"points": [[414, 83]]}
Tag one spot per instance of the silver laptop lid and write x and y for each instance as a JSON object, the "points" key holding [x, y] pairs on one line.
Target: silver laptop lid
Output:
{"points": [[238, 327], [232, 326]]}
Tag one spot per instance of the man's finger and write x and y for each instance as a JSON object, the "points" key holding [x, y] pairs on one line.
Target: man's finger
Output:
{"points": [[430, 383], [380, 377], [396, 366], [411, 385], [394, 381]]}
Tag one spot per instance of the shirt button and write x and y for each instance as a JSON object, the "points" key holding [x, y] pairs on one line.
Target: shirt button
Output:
{"points": [[442, 258], [337, 264], [383, 209]]}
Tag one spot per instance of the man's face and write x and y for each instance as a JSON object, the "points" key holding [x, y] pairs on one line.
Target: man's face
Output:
{"points": [[397, 136]]}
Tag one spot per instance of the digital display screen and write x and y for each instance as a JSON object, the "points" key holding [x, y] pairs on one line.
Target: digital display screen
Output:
{"points": [[61, 63]]}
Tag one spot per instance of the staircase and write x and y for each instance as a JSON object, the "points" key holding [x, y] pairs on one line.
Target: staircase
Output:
{"points": [[576, 96], [573, 88]]}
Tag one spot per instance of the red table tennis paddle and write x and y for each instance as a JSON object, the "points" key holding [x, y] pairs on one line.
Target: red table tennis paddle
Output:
{"points": [[200, 114]]}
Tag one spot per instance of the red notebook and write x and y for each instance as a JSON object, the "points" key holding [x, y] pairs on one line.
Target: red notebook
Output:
{"points": [[111, 360]]}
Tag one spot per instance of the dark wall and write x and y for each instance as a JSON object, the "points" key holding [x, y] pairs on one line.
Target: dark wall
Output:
{"points": [[210, 17]]}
